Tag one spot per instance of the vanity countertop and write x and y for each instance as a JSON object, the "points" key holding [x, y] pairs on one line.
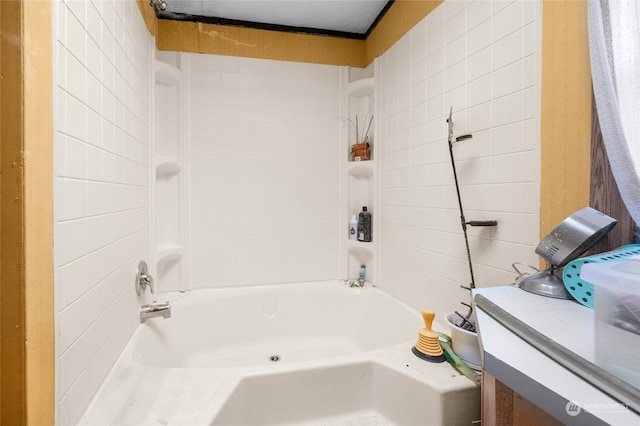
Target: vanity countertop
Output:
{"points": [[534, 372]]}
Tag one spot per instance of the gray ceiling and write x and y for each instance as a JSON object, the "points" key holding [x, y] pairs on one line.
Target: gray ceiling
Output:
{"points": [[350, 18]]}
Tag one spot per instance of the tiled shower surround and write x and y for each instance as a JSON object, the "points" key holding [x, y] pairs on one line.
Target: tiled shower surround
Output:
{"points": [[482, 58], [265, 168], [264, 171], [101, 189], [265, 159]]}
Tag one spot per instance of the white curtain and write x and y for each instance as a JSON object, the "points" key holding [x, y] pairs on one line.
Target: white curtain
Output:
{"points": [[614, 43]]}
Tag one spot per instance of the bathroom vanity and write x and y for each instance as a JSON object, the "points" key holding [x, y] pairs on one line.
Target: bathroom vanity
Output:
{"points": [[533, 375]]}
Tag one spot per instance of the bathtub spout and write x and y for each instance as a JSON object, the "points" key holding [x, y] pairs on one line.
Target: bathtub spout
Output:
{"points": [[155, 310]]}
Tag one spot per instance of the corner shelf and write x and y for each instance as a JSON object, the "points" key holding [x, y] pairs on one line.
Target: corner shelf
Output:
{"points": [[168, 252], [361, 88], [360, 253], [361, 248], [169, 189], [359, 178], [168, 165], [361, 168], [167, 75]]}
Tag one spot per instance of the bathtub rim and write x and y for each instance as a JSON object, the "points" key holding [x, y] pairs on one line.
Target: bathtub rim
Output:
{"points": [[199, 299]]}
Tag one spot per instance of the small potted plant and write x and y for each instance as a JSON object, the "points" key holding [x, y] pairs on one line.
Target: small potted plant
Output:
{"points": [[360, 149]]}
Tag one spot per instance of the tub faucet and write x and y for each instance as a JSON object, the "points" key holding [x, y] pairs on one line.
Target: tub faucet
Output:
{"points": [[356, 282], [154, 310]]}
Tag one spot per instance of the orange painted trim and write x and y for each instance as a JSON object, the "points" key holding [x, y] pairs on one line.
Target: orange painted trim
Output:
{"points": [[27, 325], [566, 112], [12, 313], [399, 19], [183, 36], [149, 17], [38, 212], [252, 43]]}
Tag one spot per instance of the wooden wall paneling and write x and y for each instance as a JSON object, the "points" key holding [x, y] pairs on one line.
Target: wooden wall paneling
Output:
{"points": [[604, 195], [37, 160], [26, 221], [497, 402], [12, 227], [488, 399], [227, 40], [526, 413], [502, 406]]}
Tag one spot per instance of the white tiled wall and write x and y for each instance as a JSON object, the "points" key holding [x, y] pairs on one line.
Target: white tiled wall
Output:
{"points": [[264, 182], [265, 168], [101, 189], [482, 58]]}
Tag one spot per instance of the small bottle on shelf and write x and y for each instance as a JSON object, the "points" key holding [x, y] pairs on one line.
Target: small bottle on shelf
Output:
{"points": [[353, 228], [364, 225]]}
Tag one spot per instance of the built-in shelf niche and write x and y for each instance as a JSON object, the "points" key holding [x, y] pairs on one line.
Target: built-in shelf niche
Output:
{"points": [[168, 209], [168, 111], [361, 105], [360, 189], [360, 178], [358, 253], [169, 189]]}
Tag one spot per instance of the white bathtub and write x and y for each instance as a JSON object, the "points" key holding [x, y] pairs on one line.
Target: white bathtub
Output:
{"points": [[248, 327], [313, 353]]}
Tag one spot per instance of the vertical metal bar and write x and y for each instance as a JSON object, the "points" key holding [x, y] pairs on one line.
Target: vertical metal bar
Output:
{"points": [[463, 221]]}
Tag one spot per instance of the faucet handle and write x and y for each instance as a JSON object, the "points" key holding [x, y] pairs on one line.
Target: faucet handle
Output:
{"points": [[143, 279]]}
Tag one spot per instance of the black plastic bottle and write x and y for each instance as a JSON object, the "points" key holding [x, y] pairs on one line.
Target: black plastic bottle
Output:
{"points": [[364, 225]]}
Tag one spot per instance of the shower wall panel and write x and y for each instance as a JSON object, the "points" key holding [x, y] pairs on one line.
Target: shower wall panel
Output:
{"points": [[483, 59], [264, 171], [101, 189]]}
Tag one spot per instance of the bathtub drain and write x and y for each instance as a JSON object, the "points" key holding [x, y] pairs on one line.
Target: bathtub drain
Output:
{"points": [[274, 358]]}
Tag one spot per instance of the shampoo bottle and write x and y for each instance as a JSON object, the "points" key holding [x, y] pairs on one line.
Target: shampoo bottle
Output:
{"points": [[364, 225], [353, 228]]}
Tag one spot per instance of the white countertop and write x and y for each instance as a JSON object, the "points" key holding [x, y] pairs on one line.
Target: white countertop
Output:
{"points": [[566, 322]]}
